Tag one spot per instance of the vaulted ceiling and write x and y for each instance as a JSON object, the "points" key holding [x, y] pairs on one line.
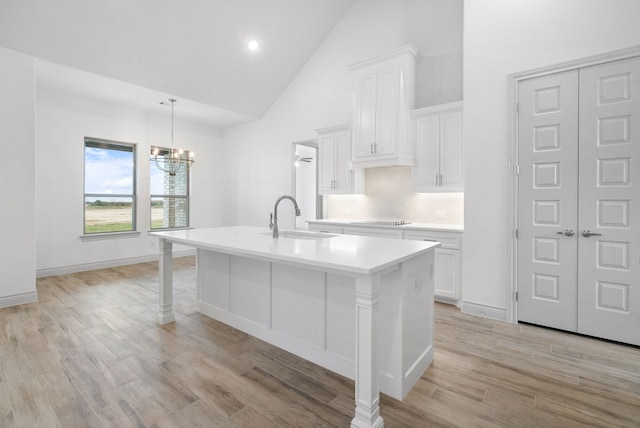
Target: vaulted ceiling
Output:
{"points": [[193, 49]]}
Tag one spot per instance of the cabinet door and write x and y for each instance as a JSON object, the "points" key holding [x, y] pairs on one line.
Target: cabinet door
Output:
{"points": [[447, 277], [342, 171], [451, 177], [326, 159], [365, 116], [387, 112], [426, 171]]}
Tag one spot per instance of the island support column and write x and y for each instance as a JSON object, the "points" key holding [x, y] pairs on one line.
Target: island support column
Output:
{"points": [[367, 354], [165, 292]]}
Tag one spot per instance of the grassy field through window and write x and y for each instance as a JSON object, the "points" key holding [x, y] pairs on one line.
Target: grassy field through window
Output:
{"points": [[110, 217]]}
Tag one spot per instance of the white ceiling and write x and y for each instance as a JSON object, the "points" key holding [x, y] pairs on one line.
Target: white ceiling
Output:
{"points": [[141, 52]]}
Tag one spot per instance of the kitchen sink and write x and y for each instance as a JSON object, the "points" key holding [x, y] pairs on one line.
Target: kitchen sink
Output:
{"points": [[301, 234]]}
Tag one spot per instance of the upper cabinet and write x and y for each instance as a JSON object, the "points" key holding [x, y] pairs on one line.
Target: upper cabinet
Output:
{"points": [[437, 132], [384, 95], [335, 175]]}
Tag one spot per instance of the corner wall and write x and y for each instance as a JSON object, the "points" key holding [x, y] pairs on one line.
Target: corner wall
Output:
{"points": [[17, 175], [503, 37]]}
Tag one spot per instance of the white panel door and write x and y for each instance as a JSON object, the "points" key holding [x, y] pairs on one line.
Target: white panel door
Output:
{"points": [[609, 242], [547, 200]]}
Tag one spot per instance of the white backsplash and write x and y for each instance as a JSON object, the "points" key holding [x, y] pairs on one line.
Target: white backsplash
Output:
{"points": [[388, 196]]}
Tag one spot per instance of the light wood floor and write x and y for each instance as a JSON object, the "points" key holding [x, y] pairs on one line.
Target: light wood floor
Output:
{"points": [[90, 354]]}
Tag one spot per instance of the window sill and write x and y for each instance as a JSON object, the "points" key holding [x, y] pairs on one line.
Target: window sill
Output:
{"points": [[109, 235]]}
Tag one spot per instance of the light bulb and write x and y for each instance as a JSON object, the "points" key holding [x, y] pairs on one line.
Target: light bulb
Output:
{"points": [[252, 45], [155, 151]]}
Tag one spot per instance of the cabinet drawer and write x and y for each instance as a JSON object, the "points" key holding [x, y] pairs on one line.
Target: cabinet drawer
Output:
{"points": [[450, 240], [374, 231], [326, 228]]}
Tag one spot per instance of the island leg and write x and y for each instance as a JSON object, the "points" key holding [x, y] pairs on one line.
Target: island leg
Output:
{"points": [[166, 315], [367, 354]]}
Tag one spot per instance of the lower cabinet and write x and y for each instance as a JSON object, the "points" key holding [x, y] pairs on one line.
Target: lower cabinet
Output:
{"points": [[448, 257], [448, 277]]}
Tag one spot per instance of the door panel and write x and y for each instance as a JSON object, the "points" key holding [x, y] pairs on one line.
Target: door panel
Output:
{"points": [[388, 99], [343, 157], [451, 150], [326, 162], [609, 273], [547, 193], [365, 120]]}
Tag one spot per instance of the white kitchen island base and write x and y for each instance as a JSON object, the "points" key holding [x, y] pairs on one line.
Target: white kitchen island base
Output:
{"points": [[359, 306]]}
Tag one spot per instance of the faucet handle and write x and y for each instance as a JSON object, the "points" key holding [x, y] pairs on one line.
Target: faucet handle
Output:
{"points": [[271, 221]]}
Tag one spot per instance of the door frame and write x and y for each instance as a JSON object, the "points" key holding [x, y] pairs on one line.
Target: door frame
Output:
{"points": [[513, 80]]}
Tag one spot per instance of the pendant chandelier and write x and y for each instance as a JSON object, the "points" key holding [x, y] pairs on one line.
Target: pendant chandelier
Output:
{"points": [[173, 161]]}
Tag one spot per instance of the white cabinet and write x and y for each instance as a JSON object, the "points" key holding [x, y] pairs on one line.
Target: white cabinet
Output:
{"points": [[437, 132], [448, 275], [377, 232], [448, 278], [334, 156], [384, 95]]}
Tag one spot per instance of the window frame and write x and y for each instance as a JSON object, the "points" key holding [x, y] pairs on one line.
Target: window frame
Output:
{"points": [[186, 196], [106, 144]]}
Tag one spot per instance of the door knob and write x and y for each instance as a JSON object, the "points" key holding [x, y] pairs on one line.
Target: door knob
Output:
{"points": [[567, 232], [587, 233]]}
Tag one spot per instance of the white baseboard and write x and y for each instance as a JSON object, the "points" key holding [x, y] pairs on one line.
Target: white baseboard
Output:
{"points": [[455, 302], [63, 270], [484, 311], [18, 299]]}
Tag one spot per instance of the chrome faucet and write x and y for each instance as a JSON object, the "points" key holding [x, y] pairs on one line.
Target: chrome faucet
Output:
{"points": [[273, 224]]}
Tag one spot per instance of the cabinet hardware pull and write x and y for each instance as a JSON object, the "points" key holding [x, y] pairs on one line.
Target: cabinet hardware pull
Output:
{"points": [[431, 240], [587, 233], [371, 152]]}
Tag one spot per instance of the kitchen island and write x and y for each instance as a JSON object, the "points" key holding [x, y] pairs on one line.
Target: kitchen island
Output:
{"points": [[359, 306]]}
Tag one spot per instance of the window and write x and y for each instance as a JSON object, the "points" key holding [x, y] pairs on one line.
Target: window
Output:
{"points": [[169, 194], [109, 187]]}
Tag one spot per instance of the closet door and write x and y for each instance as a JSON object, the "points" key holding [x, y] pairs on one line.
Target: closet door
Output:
{"points": [[548, 200], [609, 241]]}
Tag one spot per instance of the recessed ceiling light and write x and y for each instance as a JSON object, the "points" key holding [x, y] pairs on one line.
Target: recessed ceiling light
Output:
{"points": [[252, 45]]}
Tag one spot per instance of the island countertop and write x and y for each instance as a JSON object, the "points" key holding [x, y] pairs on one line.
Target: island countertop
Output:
{"points": [[347, 253]]}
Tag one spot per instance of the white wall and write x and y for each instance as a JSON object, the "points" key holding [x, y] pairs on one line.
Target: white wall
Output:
{"points": [[320, 95], [62, 123], [17, 178], [502, 37]]}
